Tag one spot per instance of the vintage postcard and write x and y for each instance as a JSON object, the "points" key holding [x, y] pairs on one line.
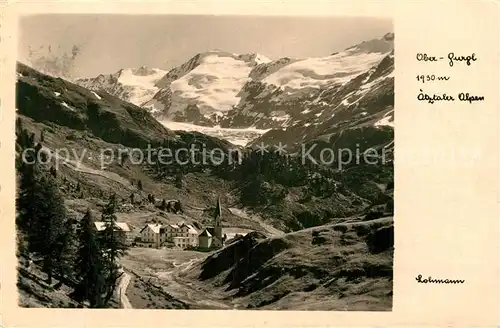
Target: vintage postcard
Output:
{"points": [[312, 163]]}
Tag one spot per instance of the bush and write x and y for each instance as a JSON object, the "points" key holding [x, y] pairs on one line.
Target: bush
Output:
{"points": [[319, 240], [381, 239]]}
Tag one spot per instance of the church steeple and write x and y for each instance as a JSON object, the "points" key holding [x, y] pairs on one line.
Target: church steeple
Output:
{"points": [[217, 220], [218, 213]]}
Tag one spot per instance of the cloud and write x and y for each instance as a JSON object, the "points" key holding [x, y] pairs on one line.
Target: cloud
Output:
{"points": [[55, 63]]}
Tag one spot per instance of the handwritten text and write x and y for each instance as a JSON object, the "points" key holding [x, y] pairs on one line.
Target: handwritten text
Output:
{"points": [[438, 281]]}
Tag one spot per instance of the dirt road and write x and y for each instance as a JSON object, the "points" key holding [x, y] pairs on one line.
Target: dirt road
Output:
{"points": [[122, 291], [164, 266]]}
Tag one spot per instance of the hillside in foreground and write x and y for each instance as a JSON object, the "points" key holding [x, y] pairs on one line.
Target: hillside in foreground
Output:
{"points": [[346, 266]]}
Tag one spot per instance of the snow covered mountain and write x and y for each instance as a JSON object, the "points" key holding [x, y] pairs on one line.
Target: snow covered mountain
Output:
{"points": [[133, 85], [288, 99], [218, 88], [360, 111], [203, 89], [353, 110]]}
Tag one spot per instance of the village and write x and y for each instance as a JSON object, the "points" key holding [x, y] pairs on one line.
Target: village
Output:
{"points": [[168, 235]]}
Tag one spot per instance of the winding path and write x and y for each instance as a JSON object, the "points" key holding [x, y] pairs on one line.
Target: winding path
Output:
{"points": [[122, 289], [80, 167]]}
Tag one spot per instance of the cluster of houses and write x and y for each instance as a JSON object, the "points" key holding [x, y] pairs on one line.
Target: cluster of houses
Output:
{"points": [[156, 235], [176, 235], [182, 235]]}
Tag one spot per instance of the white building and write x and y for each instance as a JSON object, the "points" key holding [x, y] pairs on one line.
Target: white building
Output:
{"points": [[177, 235], [120, 227], [183, 235], [151, 235]]}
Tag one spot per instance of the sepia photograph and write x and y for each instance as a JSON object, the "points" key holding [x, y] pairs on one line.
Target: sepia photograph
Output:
{"points": [[217, 162]]}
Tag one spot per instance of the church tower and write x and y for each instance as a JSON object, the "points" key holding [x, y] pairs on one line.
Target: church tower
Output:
{"points": [[217, 221]]}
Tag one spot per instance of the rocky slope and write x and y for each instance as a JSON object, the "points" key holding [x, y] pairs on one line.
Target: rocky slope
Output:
{"points": [[133, 85], [204, 88], [357, 116], [48, 99], [240, 91], [345, 266], [312, 90], [344, 99], [361, 112]]}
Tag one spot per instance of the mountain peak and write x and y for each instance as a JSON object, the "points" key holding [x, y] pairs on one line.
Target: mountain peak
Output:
{"points": [[135, 85], [254, 57], [143, 71], [385, 44], [389, 36]]}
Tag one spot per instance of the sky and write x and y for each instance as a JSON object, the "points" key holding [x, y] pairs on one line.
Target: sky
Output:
{"points": [[110, 42]]}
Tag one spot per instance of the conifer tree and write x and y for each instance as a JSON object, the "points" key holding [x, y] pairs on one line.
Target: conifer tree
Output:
{"points": [[89, 265], [41, 215], [53, 172], [48, 233], [251, 192], [113, 245], [19, 126], [26, 202], [178, 178], [163, 205]]}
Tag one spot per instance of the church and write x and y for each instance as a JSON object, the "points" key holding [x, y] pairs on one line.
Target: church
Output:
{"points": [[211, 237]]}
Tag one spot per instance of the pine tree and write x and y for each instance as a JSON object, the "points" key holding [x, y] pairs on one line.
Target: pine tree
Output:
{"points": [[47, 230], [26, 200], [53, 171], [139, 184], [64, 264], [163, 205], [178, 179], [251, 193], [113, 245], [89, 266], [19, 126]]}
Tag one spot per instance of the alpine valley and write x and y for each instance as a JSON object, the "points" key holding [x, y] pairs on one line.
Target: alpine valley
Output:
{"points": [[299, 234]]}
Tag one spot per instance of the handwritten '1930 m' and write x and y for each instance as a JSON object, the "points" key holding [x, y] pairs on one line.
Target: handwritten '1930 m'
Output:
{"points": [[428, 78], [451, 57]]}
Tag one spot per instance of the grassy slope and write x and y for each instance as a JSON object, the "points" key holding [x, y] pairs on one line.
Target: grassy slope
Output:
{"points": [[344, 266], [104, 116], [34, 292]]}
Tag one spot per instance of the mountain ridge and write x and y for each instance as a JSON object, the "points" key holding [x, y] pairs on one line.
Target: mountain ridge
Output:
{"points": [[220, 88], [134, 85]]}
